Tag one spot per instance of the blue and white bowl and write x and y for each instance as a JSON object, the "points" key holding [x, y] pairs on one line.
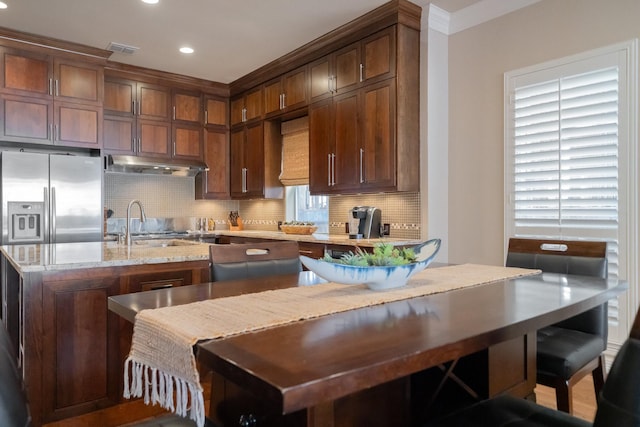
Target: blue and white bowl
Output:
{"points": [[375, 277]]}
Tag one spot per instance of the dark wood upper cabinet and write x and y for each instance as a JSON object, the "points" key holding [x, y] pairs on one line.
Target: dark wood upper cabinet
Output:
{"points": [[334, 144], [216, 111], [378, 56], [153, 101], [153, 120], [49, 100], [366, 139], [377, 150], [336, 73], [247, 162], [26, 73], [154, 138], [187, 130], [187, 106], [247, 106], [120, 96], [286, 93], [214, 183], [136, 118], [188, 141]]}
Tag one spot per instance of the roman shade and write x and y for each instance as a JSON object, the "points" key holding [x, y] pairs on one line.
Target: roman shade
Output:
{"points": [[295, 152]]}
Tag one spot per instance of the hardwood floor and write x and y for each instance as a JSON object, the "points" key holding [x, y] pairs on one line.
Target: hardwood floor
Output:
{"points": [[584, 407], [584, 399]]}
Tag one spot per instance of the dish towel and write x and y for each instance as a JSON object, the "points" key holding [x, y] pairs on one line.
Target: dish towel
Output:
{"points": [[161, 366]]}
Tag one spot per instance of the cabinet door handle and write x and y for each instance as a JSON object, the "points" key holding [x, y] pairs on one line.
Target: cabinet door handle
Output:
{"points": [[361, 165], [166, 286], [51, 87], [206, 117], [139, 145], [361, 72], [244, 180], [333, 169], [284, 101], [329, 170], [56, 132], [174, 112], [133, 107], [57, 87], [174, 150]]}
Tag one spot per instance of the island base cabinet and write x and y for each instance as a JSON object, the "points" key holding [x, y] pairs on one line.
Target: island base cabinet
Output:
{"points": [[72, 347], [80, 347]]}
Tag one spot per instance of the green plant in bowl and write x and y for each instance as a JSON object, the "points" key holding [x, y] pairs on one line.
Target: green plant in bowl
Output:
{"points": [[384, 254], [386, 267]]}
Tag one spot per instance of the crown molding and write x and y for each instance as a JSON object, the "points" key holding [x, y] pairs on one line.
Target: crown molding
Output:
{"points": [[439, 19], [485, 10]]}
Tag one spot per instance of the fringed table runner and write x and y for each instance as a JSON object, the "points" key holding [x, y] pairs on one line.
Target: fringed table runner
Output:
{"points": [[161, 365]]}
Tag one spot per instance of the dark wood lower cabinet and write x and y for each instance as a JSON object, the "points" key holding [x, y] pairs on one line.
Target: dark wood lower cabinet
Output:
{"points": [[72, 348], [80, 346]]}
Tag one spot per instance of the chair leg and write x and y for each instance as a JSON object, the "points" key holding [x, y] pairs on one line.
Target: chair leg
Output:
{"points": [[598, 376], [564, 397]]}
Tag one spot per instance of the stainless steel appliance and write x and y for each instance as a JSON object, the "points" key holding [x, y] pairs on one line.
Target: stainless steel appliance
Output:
{"points": [[50, 198], [364, 222]]}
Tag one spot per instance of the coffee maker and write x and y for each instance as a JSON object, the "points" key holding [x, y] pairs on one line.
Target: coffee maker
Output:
{"points": [[364, 222]]}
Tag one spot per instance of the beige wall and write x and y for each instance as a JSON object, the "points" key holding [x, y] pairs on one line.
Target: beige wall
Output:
{"points": [[478, 59]]}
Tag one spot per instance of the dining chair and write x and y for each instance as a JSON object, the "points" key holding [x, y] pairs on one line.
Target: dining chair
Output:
{"points": [[618, 405], [252, 260], [569, 350]]}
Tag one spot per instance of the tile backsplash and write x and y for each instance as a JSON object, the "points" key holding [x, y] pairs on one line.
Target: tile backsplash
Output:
{"points": [[170, 196]]}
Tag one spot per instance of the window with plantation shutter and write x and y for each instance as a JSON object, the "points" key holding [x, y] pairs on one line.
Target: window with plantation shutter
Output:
{"points": [[564, 143]]}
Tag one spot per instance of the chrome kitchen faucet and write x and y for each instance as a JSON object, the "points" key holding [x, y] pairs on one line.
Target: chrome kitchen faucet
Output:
{"points": [[143, 218]]}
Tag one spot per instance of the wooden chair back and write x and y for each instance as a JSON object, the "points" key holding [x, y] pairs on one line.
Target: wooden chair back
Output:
{"points": [[559, 247]]}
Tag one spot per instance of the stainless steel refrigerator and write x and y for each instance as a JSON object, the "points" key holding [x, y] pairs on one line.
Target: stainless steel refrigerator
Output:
{"points": [[50, 198]]}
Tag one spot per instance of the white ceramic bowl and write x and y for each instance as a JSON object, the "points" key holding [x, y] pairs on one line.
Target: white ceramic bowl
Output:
{"points": [[375, 277]]}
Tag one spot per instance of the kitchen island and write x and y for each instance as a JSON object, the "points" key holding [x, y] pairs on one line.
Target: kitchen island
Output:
{"points": [[70, 348]]}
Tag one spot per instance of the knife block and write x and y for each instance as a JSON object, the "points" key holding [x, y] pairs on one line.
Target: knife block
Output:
{"points": [[238, 227]]}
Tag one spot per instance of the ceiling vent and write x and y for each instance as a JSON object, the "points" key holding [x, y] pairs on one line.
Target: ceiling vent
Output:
{"points": [[121, 48]]}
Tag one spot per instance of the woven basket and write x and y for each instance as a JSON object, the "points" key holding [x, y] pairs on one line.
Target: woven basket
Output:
{"points": [[299, 229]]}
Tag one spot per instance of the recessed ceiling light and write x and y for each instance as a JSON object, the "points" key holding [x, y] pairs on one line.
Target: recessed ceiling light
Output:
{"points": [[3, 5], [151, 1], [186, 49]]}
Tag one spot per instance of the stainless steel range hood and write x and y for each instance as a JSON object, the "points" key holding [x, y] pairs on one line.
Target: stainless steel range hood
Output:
{"points": [[152, 165]]}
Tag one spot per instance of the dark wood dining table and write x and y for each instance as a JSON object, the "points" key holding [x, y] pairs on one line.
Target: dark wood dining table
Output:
{"points": [[392, 364]]}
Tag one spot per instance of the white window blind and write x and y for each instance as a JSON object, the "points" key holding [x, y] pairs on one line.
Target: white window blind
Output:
{"points": [[564, 154]]}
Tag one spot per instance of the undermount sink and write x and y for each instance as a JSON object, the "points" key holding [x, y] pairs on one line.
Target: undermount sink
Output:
{"points": [[163, 243]]}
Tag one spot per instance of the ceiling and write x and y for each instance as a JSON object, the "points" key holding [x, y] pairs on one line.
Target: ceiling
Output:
{"points": [[230, 38]]}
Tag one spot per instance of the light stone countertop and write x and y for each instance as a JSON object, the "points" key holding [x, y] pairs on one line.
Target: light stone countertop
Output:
{"points": [[336, 239], [68, 256]]}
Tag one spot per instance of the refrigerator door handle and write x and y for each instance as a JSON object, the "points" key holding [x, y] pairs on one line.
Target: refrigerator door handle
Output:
{"points": [[52, 230], [46, 216]]}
